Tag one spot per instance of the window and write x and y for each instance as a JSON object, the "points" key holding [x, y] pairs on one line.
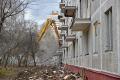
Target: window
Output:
{"points": [[109, 34], [80, 9], [77, 12], [73, 49], [86, 42], [76, 48], [64, 54], [67, 52], [87, 3], [96, 35]]}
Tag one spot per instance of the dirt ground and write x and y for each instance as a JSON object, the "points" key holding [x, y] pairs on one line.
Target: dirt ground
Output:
{"points": [[43, 73]]}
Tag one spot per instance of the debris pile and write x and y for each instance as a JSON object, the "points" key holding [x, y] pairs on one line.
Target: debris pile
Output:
{"points": [[47, 73]]}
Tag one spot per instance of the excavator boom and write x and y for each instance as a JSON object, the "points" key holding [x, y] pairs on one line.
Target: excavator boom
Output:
{"points": [[47, 24]]}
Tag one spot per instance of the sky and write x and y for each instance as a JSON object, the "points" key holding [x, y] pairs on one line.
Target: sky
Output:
{"points": [[41, 9]]}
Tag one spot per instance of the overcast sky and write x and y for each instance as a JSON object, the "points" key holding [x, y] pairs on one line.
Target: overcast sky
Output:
{"points": [[40, 9]]}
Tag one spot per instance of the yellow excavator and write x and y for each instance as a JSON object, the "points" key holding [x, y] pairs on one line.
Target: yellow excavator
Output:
{"points": [[49, 23]]}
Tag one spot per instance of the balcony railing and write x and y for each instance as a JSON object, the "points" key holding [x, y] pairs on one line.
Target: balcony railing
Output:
{"points": [[70, 38], [81, 24], [62, 34], [60, 40], [63, 27], [64, 46], [59, 51], [62, 19], [60, 16], [62, 7]]}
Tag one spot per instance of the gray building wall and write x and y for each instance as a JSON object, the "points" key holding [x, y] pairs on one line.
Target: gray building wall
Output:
{"points": [[104, 59], [91, 50]]}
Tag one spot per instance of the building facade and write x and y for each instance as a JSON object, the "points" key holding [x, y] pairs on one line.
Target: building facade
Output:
{"points": [[91, 39]]}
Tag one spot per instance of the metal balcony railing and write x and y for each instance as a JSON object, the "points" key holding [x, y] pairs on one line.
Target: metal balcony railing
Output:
{"points": [[70, 38]]}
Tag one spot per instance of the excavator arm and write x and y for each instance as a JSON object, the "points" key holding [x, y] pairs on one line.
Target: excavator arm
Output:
{"points": [[47, 24]]}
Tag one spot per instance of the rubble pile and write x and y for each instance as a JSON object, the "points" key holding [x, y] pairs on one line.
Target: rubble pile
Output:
{"points": [[47, 73]]}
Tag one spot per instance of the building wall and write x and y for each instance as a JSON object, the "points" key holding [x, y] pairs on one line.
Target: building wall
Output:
{"points": [[117, 22], [104, 59], [90, 46]]}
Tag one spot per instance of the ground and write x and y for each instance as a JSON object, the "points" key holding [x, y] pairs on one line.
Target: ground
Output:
{"points": [[40, 73]]}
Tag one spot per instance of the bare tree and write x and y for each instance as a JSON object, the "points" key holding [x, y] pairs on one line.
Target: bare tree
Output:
{"points": [[17, 37], [34, 45], [10, 8]]}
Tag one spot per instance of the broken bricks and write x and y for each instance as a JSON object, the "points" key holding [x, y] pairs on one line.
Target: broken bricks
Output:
{"points": [[46, 73]]}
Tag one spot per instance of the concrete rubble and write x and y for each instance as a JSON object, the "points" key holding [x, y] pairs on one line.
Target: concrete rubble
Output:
{"points": [[47, 73]]}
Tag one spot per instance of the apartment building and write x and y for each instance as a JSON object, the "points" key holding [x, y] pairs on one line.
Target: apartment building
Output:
{"points": [[91, 39]]}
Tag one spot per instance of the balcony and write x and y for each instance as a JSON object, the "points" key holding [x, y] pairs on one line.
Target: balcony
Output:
{"points": [[62, 19], [63, 27], [70, 38], [62, 5], [60, 40], [81, 24], [60, 16], [59, 51], [69, 11], [65, 46], [62, 34]]}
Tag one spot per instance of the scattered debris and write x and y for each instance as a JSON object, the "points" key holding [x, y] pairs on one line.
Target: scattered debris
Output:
{"points": [[47, 73]]}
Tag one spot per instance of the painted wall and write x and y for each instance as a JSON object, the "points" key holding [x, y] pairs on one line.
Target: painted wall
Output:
{"points": [[90, 49]]}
